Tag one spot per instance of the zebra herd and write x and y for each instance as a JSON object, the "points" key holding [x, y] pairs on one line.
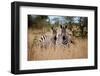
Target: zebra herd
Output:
{"points": [[61, 38]]}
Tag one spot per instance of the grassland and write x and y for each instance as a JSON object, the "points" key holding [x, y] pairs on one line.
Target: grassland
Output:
{"points": [[75, 51]]}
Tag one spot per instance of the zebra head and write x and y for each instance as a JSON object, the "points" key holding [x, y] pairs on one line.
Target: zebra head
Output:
{"points": [[54, 34], [63, 31], [64, 34]]}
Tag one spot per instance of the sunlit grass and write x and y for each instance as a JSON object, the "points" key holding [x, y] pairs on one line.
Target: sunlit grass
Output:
{"points": [[75, 51]]}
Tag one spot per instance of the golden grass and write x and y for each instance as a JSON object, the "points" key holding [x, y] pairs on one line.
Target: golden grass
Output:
{"points": [[75, 51]]}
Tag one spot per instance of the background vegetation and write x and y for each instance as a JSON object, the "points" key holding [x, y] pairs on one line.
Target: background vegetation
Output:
{"points": [[78, 25]]}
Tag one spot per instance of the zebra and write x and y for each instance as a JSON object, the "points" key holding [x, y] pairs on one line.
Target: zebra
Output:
{"points": [[56, 39], [48, 41], [64, 36]]}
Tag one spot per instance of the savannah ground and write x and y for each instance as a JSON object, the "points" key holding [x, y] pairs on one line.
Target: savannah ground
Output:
{"points": [[79, 50]]}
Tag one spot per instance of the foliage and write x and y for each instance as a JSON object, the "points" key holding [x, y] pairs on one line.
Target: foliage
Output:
{"points": [[78, 25]]}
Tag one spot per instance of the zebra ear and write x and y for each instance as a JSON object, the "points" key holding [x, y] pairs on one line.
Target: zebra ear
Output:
{"points": [[60, 26]]}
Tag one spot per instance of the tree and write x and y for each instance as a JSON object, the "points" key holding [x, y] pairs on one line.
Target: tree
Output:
{"points": [[56, 21], [69, 19], [37, 21], [83, 24]]}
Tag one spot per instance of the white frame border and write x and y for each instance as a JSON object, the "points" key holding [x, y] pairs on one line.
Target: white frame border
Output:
{"points": [[24, 64]]}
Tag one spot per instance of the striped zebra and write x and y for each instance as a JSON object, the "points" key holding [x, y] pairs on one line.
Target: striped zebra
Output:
{"points": [[64, 37], [48, 40], [56, 39]]}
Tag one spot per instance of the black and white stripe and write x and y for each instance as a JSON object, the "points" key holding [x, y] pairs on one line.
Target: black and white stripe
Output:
{"points": [[62, 38], [65, 40]]}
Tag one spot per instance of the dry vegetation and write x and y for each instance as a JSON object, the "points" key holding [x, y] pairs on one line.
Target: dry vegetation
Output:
{"points": [[75, 51]]}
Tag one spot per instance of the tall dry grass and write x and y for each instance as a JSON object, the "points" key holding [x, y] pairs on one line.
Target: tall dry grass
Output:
{"points": [[75, 51]]}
